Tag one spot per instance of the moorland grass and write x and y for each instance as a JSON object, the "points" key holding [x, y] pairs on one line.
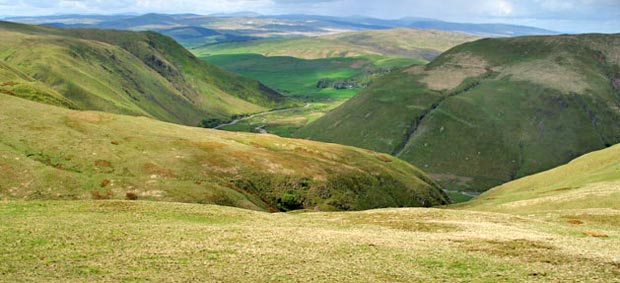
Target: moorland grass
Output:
{"points": [[64, 154], [137, 241]]}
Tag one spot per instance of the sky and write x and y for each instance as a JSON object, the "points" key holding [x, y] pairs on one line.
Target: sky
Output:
{"points": [[558, 15]]}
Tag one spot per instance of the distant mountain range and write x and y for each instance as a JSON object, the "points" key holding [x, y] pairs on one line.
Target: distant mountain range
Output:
{"points": [[246, 26]]}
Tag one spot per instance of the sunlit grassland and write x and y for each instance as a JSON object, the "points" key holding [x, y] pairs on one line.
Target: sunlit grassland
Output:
{"points": [[123, 241], [590, 181], [298, 77]]}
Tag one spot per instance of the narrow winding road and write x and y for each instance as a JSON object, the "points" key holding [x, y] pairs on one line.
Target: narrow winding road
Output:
{"points": [[234, 122]]}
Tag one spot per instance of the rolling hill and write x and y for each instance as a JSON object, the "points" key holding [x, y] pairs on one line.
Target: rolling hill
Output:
{"points": [[400, 42], [489, 111], [589, 182], [47, 152], [124, 72]]}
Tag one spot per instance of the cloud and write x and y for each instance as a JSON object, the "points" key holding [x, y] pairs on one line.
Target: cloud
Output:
{"points": [[501, 8], [563, 15]]}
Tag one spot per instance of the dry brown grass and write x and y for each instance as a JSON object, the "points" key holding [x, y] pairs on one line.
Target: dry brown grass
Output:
{"points": [[103, 163], [448, 76], [107, 194], [574, 222], [384, 158], [88, 116], [104, 183], [548, 73], [596, 234], [7, 92], [131, 196]]}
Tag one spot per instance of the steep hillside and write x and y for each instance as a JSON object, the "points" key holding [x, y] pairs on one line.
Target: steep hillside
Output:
{"points": [[588, 182], [490, 111], [48, 152], [123, 72], [401, 42]]}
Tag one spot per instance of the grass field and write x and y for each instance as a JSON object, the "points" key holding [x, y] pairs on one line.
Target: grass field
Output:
{"points": [[299, 77], [124, 241]]}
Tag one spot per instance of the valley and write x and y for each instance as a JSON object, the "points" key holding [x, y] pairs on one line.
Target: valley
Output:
{"points": [[300, 79], [347, 63], [234, 146]]}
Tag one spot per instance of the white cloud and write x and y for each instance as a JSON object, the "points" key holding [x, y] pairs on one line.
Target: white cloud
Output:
{"points": [[499, 8], [557, 5], [571, 13]]}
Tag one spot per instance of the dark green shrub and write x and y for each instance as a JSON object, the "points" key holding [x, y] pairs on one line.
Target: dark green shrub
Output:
{"points": [[289, 201]]}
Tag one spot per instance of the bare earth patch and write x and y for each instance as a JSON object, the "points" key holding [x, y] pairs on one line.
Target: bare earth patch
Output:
{"points": [[548, 73], [448, 76], [88, 116]]}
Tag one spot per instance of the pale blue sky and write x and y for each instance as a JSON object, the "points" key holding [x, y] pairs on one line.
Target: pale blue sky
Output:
{"points": [[560, 15]]}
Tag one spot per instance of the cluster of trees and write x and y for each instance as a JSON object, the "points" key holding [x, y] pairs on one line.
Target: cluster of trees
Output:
{"points": [[337, 84]]}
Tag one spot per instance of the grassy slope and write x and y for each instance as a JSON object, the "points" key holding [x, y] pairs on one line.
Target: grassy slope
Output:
{"points": [[123, 72], [121, 241], [54, 153], [421, 44], [590, 181], [490, 111]]}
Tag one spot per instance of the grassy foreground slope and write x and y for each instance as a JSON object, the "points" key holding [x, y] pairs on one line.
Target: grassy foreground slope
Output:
{"points": [[48, 152], [400, 42], [489, 111], [588, 182], [122, 241], [124, 72]]}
